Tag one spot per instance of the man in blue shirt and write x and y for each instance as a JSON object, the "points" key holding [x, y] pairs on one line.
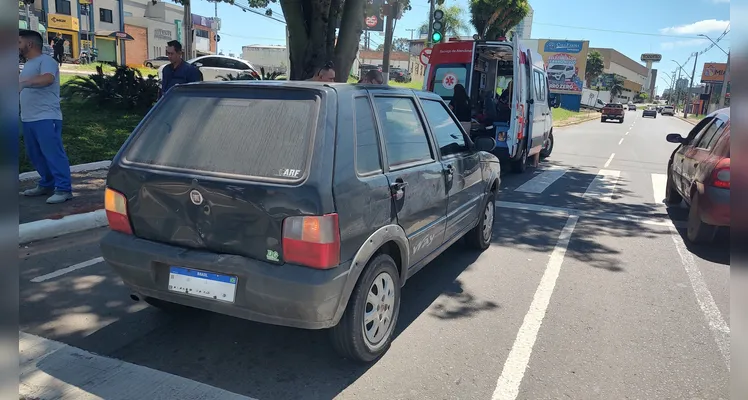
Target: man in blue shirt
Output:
{"points": [[178, 71], [41, 116]]}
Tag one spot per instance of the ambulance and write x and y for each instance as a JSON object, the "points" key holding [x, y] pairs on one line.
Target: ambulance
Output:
{"points": [[507, 85]]}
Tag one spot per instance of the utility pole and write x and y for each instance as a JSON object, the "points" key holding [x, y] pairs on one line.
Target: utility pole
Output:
{"points": [[392, 11], [724, 83], [688, 96], [677, 90], [215, 22], [409, 45], [28, 14], [187, 22]]}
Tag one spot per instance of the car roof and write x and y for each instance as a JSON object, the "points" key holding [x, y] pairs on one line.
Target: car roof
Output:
{"points": [[723, 112], [337, 87]]}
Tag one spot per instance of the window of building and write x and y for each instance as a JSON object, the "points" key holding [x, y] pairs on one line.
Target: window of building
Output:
{"points": [[62, 7], [105, 15], [201, 33]]}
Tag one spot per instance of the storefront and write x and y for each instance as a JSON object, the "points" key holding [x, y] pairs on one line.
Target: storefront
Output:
{"points": [[66, 26]]}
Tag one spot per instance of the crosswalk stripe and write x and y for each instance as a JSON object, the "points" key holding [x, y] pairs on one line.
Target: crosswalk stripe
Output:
{"points": [[541, 182], [603, 185], [659, 182]]}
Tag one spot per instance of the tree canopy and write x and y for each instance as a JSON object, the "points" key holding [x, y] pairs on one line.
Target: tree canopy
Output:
{"points": [[492, 18], [594, 67]]}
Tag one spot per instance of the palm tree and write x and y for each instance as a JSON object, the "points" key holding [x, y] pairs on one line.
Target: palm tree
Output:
{"points": [[616, 88], [492, 18], [453, 22]]}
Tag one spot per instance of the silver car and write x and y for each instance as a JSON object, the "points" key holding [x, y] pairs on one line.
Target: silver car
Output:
{"points": [[156, 62]]}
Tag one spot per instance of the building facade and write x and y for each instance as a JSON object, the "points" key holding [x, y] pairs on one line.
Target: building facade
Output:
{"points": [[633, 73], [523, 30], [270, 58]]}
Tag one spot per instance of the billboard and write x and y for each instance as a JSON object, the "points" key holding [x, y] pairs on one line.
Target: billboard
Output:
{"points": [[565, 62], [713, 73], [651, 57]]}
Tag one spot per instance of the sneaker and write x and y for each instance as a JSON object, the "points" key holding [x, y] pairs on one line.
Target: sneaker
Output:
{"points": [[59, 197], [38, 191]]}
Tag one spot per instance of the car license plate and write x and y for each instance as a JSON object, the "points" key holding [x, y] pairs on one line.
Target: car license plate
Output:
{"points": [[202, 284]]}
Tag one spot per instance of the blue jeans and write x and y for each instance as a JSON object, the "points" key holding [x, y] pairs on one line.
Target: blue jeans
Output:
{"points": [[43, 141]]}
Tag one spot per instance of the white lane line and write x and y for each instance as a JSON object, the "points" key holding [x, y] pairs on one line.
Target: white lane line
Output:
{"points": [[620, 141], [64, 271], [541, 182], [561, 211], [626, 134], [659, 182], [507, 387], [53, 370], [607, 163], [718, 326], [603, 185]]}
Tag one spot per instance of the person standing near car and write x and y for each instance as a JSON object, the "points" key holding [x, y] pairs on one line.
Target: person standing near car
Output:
{"points": [[177, 72], [325, 74], [373, 77], [41, 117], [460, 105]]}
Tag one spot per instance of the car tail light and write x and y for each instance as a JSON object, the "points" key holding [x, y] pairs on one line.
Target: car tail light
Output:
{"points": [[115, 204], [312, 241], [721, 174]]}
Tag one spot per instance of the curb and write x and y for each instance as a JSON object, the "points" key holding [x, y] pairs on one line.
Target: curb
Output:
{"points": [[73, 168], [49, 228], [683, 119]]}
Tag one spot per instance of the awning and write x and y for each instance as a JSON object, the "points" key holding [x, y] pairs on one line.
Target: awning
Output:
{"points": [[22, 25], [121, 35]]}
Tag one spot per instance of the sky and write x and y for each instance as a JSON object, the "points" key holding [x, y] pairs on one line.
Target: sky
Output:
{"points": [[632, 27]]}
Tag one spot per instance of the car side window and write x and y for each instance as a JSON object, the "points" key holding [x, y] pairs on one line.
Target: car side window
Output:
{"points": [[541, 79], [207, 62], [367, 145], [448, 135], [404, 135], [537, 86], [709, 134], [698, 130]]}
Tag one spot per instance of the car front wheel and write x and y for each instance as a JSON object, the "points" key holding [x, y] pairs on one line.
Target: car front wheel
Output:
{"points": [[698, 231], [366, 329]]}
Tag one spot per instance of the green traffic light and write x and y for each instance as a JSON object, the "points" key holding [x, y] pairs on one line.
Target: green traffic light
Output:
{"points": [[436, 37]]}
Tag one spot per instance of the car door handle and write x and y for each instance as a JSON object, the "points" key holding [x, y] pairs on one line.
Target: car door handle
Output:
{"points": [[449, 169], [397, 189]]}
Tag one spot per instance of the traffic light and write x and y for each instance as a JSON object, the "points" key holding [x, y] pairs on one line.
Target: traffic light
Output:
{"points": [[437, 27]]}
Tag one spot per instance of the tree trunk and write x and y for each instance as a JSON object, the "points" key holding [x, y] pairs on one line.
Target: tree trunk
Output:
{"points": [[349, 36], [187, 26], [391, 12]]}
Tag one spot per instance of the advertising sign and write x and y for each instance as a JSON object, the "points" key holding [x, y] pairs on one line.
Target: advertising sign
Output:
{"points": [[565, 62], [66, 22], [713, 73], [374, 20], [651, 57]]}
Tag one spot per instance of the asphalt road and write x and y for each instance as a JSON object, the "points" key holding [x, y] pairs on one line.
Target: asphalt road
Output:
{"points": [[588, 292]]}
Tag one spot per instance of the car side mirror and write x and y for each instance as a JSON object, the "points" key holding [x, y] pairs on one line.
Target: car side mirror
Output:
{"points": [[676, 138], [484, 143]]}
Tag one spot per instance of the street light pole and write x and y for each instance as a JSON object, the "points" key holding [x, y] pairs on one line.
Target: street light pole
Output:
{"points": [[409, 45], [724, 83], [431, 24], [688, 96]]}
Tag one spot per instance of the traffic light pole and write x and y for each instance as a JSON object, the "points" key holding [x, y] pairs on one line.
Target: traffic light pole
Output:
{"points": [[429, 39], [688, 96]]}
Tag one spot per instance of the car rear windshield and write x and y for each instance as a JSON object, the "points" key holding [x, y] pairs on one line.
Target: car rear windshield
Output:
{"points": [[612, 105], [252, 132]]}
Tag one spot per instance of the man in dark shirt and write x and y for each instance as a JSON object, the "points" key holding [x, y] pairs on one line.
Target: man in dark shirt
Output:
{"points": [[178, 71]]}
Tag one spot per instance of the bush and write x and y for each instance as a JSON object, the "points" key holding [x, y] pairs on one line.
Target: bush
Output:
{"points": [[125, 89], [253, 76]]}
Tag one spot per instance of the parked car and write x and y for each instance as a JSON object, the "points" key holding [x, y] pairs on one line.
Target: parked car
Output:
{"points": [[649, 112], [216, 68], [278, 215], [400, 75], [613, 111], [668, 110], [632, 107], [699, 173], [157, 62]]}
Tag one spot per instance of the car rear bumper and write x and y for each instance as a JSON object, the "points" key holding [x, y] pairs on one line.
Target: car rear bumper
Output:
{"points": [[287, 295], [612, 116], [714, 206]]}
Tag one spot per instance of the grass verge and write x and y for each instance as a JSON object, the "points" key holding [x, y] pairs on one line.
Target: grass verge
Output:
{"points": [[562, 114], [88, 134]]}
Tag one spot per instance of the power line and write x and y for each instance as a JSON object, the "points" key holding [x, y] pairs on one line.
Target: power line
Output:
{"points": [[616, 31], [244, 5]]}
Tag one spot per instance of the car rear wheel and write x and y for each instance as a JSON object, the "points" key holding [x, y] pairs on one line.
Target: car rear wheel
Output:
{"points": [[603, 119], [365, 331], [479, 237], [519, 166], [698, 231], [547, 146], [149, 65]]}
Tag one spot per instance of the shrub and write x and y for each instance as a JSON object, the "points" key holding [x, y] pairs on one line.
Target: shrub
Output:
{"points": [[253, 76], [125, 89]]}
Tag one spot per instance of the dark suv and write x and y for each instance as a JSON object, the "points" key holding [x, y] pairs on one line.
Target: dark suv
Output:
{"points": [[295, 203]]}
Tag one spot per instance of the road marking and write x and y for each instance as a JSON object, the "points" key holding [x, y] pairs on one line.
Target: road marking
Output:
{"points": [[54, 370], [541, 182], [561, 211], [626, 133], [607, 163], [718, 326], [620, 141], [507, 387], [603, 185], [659, 182], [64, 271]]}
